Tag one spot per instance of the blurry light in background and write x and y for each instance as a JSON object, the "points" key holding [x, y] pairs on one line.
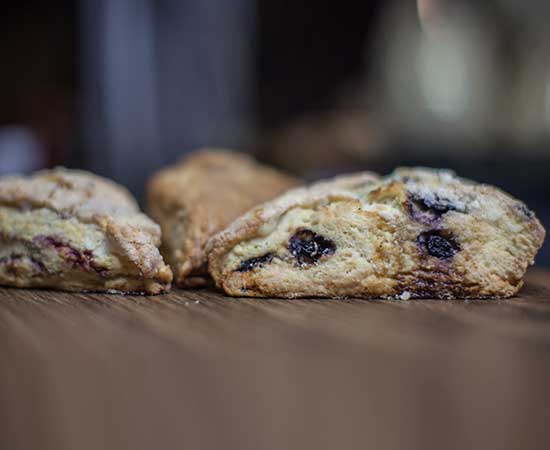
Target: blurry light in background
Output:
{"points": [[455, 61], [426, 10], [443, 75], [440, 78]]}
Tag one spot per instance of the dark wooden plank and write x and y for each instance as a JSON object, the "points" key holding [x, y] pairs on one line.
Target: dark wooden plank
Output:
{"points": [[195, 369]]}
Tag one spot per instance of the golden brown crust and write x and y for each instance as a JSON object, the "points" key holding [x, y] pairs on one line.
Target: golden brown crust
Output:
{"points": [[74, 192], [201, 195], [256, 221], [82, 231], [417, 233]]}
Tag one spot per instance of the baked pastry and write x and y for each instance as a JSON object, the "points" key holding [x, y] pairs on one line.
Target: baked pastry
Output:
{"points": [[200, 196], [417, 233], [72, 230]]}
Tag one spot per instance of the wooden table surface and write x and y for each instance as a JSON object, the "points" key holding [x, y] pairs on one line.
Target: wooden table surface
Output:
{"points": [[197, 370]]}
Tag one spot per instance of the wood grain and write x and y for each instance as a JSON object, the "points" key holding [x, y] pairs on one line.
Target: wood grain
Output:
{"points": [[197, 370]]}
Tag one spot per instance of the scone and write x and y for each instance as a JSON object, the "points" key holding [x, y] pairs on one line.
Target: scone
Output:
{"points": [[200, 196], [72, 230], [417, 233]]}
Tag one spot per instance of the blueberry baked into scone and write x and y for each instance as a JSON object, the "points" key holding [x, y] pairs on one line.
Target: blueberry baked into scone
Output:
{"points": [[417, 233], [72, 230], [198, 197]]}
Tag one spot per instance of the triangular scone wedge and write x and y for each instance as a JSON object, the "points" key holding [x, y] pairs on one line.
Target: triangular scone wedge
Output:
{"points": [[72, 230], [418, 233]]}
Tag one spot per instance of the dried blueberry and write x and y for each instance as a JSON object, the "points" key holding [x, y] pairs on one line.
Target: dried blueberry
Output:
{"points": [[439, 244], [252, 263], [430, 208], [79, 258], [308, 247], [525, 211]]}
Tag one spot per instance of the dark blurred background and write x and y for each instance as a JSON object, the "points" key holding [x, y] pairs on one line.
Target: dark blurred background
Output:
{"points": [[123, 87]]}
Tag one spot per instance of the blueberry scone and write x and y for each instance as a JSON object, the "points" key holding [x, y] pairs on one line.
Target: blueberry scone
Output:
{"points": [[72, 230], [417, 233], [200, 196]]}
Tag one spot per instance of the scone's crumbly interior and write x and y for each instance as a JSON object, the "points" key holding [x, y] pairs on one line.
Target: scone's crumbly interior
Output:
{"points": [[417, 233], [72, 230], [201, 195]]}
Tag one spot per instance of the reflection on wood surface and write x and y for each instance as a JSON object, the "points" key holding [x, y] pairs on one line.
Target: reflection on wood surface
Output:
{"points": [[197, 370]]}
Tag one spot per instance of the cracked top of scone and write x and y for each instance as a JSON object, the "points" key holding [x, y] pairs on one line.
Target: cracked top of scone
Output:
{"points": [[418, 232], [202, 194], [71, 191], [200, 178], [78, 197]]}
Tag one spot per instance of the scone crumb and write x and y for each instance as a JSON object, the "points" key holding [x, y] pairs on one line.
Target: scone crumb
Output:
{"points": [[406, 295]]}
